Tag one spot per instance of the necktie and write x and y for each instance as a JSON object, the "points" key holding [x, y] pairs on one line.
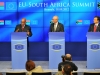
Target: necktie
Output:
{"points": [[22, 28], [95, 28], [55, 28]]}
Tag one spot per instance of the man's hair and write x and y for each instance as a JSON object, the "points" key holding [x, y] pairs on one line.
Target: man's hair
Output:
{"points": [[98, 18], [67, 58], [30, 65], [67, 69]]}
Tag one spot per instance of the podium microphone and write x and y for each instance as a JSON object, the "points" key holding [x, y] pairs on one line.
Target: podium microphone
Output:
{"points": [[51, 22]]}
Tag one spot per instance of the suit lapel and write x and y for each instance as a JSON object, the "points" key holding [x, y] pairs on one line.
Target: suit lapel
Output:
{"points": [[93, 28], [53, 27]]}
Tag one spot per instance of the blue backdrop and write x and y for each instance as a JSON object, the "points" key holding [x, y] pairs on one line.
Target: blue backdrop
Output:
{"points": [[75, 15]]}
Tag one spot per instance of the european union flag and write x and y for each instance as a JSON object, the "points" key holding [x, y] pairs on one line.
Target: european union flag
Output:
{"points": [[8, 22], [19, 47], [95, 46], [34, 22], [56, 46], [87, 22], [11, 6]]}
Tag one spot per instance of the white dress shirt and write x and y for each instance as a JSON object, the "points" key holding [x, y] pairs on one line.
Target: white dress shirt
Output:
{"points": [[96, 24], [55, 26]]}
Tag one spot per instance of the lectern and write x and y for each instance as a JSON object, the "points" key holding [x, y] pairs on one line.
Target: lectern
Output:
{"points": [[18, 50], [56, 48], [93, 50]]}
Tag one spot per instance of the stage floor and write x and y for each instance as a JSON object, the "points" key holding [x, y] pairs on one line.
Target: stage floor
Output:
{"points": [[44, 64]]}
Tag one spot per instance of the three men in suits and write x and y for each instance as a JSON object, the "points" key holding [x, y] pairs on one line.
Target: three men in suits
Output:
{"points": [[95, 27], [56, 26]]}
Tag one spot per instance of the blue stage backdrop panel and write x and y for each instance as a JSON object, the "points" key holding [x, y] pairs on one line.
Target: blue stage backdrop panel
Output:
{"points": [[46, 34], [8, 5], [30, 5], [83, 5], [56, 5], [6, 34], [33, 19], [98, 13], [81, 19], [37, 35], [78, 34], [7, 21], [63, 18]]}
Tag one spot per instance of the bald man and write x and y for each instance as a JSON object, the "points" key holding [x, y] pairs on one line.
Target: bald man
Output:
{"points": [[68, 60], [56, 26], [23, 28]]}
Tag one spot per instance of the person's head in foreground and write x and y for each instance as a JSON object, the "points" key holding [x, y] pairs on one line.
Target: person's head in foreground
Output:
{"points": [[1, 74], [68, 57], [67, 70], [30, 65]]}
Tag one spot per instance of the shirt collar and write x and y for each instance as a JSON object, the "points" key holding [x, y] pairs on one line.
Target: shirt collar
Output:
{"points": [[56, 23], [23, 26], [97, 24]]}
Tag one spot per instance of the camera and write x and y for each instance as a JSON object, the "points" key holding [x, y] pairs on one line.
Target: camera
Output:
{"points": [[63, 58]]}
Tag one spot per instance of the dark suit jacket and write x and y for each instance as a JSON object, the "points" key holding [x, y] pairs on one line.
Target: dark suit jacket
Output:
{"points": [[74, 67], [60, 27], [91, 28], [26, 28]]}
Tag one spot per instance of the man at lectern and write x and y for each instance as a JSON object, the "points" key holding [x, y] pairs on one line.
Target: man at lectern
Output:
{"points": [[23, 28], [95, 27], [56, 26]]}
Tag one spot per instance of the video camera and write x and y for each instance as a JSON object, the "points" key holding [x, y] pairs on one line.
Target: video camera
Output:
{"points": [[63, 58]]}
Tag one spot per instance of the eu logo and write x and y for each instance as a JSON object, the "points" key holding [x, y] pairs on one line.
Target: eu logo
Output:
{"points": [[7, 22], [94, 46], [56, 46], [19, 47], [87, 22], [11, 6]]}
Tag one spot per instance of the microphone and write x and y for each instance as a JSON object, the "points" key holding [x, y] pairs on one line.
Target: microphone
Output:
{"points": [[51, 22]]}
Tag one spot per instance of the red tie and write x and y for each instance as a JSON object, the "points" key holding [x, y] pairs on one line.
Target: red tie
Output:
{"points": [[95, 28], [22, 28]]}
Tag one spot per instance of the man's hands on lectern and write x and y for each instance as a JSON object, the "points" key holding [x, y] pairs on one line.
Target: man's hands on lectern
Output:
{"points": [[28, 32], [17, 30]]}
